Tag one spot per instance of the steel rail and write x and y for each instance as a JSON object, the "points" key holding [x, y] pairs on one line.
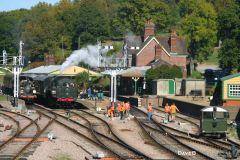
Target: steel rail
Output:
{"points": [[20, 131], [15, 134], [69, 128], [172, 136], [155, 140], [34, 138], [121, 141]]}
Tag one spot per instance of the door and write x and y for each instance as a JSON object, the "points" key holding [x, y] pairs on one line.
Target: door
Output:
{"points": [[171, 87]]}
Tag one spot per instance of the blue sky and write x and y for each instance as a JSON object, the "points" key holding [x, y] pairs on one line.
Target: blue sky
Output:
{"points": [[7, 5]]}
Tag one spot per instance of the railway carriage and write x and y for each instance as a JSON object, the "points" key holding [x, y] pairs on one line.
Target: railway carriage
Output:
{"points": [[213, 121]]}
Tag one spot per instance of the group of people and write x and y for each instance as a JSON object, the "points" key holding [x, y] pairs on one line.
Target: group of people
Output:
{"points": [[121, 110], [170, 112], [93, 93]]}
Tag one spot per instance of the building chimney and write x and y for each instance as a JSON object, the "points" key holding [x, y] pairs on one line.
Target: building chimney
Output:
{"points": [[149, 29], [49, 59], [173, 41]]}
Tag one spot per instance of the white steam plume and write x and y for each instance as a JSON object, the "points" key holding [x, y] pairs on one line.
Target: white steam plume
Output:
{"points": [[88, 55]]}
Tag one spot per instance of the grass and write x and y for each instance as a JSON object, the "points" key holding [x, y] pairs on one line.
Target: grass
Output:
{"points": [[212, 59]]}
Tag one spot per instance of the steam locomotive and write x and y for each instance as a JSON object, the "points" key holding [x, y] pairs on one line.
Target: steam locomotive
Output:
{"points": [[27, 90], [55, 90]]}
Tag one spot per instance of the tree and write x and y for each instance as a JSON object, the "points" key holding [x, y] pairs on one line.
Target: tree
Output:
{"points": [[43, 33], [91, 22], [10, 29], [133, 14], [229, 33], [164, 72], [82, 79], [198, 23]]}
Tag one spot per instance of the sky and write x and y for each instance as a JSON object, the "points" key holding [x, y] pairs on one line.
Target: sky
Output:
{"points": [[8, 5]]}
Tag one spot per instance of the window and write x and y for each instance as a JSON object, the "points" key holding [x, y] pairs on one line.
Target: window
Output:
{"points": [[234, 90], [207, 115]]}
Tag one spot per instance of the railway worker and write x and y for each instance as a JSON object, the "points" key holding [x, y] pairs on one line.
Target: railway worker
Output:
{"points": [[122, 110], [167, 112], [150, 111], [112, 110], [119, 108], [127, 107], [173, 110]]}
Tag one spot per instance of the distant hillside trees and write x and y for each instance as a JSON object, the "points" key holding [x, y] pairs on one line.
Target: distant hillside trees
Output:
{"points": [[198, 23], [229, 33], [70, 24]]}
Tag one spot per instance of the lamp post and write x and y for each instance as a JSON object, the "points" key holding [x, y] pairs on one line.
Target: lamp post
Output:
{"points": [[135, 88]]}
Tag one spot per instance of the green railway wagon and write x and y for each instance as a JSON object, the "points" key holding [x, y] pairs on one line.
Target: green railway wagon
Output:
{"points": [[214, 121]]}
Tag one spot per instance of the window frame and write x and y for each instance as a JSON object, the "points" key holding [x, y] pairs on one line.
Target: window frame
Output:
{"points": [[234, 90]]}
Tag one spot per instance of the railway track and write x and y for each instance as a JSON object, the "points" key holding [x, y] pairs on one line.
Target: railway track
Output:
{"points": [[12, 149], [98, 138], [223, 145], [97, 126], [179, 143]]}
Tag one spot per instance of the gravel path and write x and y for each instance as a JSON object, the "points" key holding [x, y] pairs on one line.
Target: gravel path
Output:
{"points": [[66, 144], [133, 135]]}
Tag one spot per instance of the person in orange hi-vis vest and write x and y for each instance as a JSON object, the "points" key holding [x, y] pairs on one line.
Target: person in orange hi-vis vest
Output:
{"points": [[167, 112], [109, 110], [122, 109], [112, 110], [173, 110], [150, 111], [127, 107], [119, 108]]}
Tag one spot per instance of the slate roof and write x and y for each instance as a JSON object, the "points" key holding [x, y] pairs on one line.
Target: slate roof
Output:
{"points": [[133, 41], [44, 69], [230, 76], [181, 44], [163, 40]]}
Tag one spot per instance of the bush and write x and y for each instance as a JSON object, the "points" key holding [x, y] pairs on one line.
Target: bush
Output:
{"points": [[196, 74], [164, 72]]}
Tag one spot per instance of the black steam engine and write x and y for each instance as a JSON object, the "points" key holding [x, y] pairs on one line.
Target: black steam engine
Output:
{"points": [[56, 90], [27, 90]]}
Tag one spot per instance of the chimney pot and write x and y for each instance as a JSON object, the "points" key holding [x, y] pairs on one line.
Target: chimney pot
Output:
{"points": [[173, 41], [149, 29]]}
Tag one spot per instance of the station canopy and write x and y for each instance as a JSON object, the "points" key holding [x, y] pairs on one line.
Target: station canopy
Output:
{"points": [[131, 72], [56, 70]]}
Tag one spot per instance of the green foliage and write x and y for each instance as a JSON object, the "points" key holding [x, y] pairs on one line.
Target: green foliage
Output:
{"points": [[164, 72], [198, 23], [82, 80], [104, 82], [229, 57], [133, 14], [196, 74], [229, 33], [66, 25]]}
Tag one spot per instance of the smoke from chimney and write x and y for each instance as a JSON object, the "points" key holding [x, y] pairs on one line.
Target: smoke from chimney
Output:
{"points": [[88, 55]]}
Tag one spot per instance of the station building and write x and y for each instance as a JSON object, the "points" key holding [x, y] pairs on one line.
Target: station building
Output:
{"points": [[154, 50], [230, 86]]}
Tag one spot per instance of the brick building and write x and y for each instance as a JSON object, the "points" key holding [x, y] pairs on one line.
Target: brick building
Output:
{"points": [[153, 50]]}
